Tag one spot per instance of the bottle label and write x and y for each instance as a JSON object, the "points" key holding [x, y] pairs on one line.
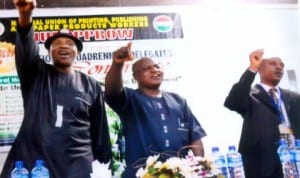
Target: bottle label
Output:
{"points": [[40, 175], [285, 157], [235, 167]]}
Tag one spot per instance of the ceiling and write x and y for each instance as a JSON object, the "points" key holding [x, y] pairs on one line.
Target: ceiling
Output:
{"points": [[8, 4]]}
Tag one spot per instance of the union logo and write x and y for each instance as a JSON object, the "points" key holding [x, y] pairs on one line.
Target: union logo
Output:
{"points": [[163, 23]]}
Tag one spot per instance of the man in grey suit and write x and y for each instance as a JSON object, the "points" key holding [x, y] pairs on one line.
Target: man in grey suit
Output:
{"points": [[265, 121]]}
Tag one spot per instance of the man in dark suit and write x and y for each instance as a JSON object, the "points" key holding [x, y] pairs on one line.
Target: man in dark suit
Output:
{"points": [[264, 121]]}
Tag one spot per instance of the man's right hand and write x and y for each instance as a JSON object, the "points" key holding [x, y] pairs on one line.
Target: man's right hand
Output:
{"points": [[255, 59], [25, 5], [25, 8], [123, 54]]}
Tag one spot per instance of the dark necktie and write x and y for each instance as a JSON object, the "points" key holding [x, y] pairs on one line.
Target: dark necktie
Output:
{"points": [[277, 103], [272, 93], [285, 136]]}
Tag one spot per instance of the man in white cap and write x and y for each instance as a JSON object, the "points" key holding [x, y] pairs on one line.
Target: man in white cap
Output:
{"points": [[64, 120], [268, 116]]}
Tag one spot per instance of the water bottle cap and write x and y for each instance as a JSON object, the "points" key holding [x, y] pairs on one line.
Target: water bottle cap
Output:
{"points": [[297, 142], [282, 142], [231, 147], [19, 163], [215, 149], [39, 162]]}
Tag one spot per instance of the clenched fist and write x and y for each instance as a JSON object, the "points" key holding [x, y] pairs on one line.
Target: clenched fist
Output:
{"points": [[255, 59], [123, 54], [25, 5]]}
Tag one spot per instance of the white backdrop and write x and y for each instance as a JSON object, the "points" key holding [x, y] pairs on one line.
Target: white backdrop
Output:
{"points": [[215, 54]]}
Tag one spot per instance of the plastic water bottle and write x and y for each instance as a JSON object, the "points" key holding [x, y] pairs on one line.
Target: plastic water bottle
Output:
{"points": [[219, 161], [296, 153], [39, 170], [235, 163], [19, 171], [286, 158]]}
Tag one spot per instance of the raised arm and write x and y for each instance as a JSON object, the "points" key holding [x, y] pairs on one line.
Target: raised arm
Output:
{"points": [[25, 8], [28, 61], [113, 79], [238, 96]]}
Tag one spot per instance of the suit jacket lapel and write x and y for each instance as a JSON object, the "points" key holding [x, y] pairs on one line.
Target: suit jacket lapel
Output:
{"points": [[259, 93], [286, 100]]}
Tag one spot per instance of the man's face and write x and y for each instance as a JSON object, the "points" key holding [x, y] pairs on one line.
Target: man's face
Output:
{"points": [[271, 71], [148, 74], [63, 51]]}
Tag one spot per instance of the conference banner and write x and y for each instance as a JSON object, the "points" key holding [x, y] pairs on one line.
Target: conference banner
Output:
{"points": [[150, 33]]}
